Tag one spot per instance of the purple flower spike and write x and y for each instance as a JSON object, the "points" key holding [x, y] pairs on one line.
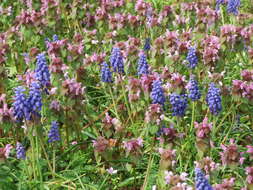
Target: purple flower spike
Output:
{"points": [[157, 94], [142, 65], [35, 99], [20, 105], [42, 72], [20, 151], [201, 183], [106, 75], [232, 6], [213, 99], [192, 58], [179, 104], [116, 60], [194, 92], [54, 134]]}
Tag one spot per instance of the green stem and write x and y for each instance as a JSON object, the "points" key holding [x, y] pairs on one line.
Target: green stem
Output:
{"points": [[114, 104], [150, 162], [126, 101], [193, 116], [100, 187]]}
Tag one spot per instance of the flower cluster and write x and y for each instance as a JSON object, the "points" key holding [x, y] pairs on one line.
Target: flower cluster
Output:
{"points": [[20, 151], [35, 100], [192, 58], [20, 105], [116, 61], [179, 104], [53, 134], [203, 129], [201, 183], [42, 72], [157, 94], [213, 99], [106, 75], [194, 92], [232, 6], [142, 65]]}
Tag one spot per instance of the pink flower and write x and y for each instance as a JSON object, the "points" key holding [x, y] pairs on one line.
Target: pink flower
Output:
{"points": [[230, 154], [249, 172], [227, 184], [203, 129], [111, 171], [133, 145]]}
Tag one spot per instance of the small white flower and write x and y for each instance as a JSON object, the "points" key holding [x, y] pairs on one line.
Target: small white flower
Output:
{"points": [[111, 171]]}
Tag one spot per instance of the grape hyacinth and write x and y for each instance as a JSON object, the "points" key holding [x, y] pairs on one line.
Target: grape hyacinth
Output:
{"points": [[192, 58], [54, 134], [201, 183], [55, 38], [106, 75], [142, 65], [232, 6], [147, 44], [179, 104], [42, 72], [194, 92], [35, 99], [20, 151], [157, 93], [218, 3], [20, 105], [116, 60], [213, 99]]}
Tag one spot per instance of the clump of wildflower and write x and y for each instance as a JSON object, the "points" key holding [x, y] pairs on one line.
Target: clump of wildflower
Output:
{"points": [[20, 105], [227, 184], [133, 145], [230, 155], [116, 61], [142, 65], [157, 94], [192, 58], [101, 144], [250, 151], [207, 164], [249, 173], [203, 129], [73, 88], [55, 105], [154, 114], [167, 134], [20, 151], [35, 99], [194, 92], [53, 134], [177, 182], [201, 183], [178, 81], [6, 114], [106, 75], [147, 81], [179, 104], [232, 6], [211, 49], [213, 99], [42, 72], [134, 89], [167, 158], [4, 152]]}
